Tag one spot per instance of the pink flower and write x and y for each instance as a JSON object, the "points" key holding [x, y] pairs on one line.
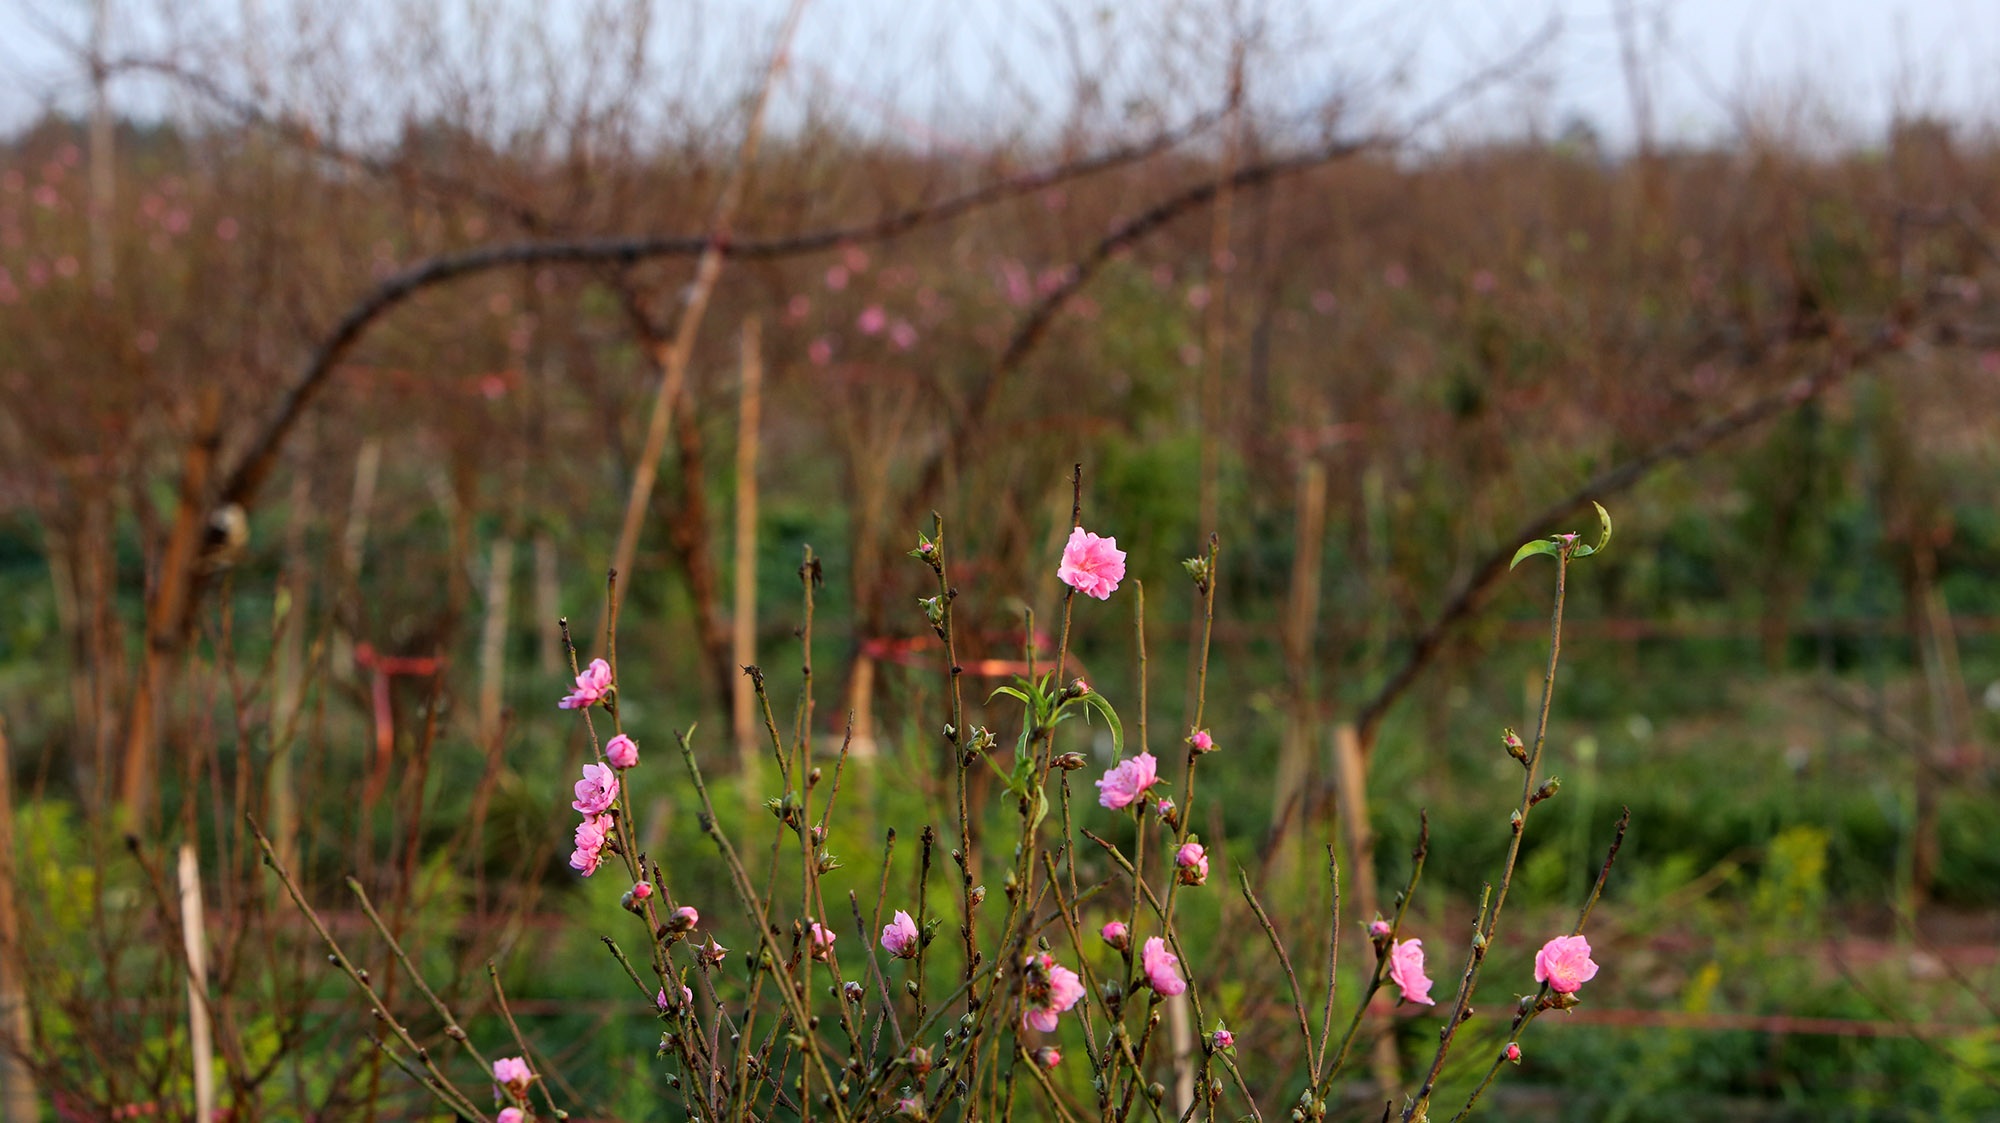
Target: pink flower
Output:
{"points": [[1222, 1039], [1166, 809], [684, 918], [513, 1074], [662, 1004], [1513, 1052], [1379, 929], [822, 941], [621, 751], [711, 952], [1051, 990], [642, 890], [1162, 968], [511, 1115], [1202, 742], [589, 852], [1117, 935], [899, 938], [1564, 963], [597, 791], [1127, 781], [1048, 1056], [1193, 863], [591, 687], [1406, 970], [1091, 565], [872, 320]]}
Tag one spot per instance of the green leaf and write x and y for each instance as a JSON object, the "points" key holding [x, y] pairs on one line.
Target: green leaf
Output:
{"points": [[1529, 550], [1603, 533], [1009, 692], [1096, 702]]}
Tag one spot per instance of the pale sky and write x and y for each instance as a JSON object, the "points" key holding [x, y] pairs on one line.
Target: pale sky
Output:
{"points": [[940, 72]]}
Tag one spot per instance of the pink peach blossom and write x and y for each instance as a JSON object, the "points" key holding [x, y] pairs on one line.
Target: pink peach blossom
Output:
{"points": [[589, 852], [1127, 781], [1406, 970], [1513, 1052], [597, 791], [1222, 1039], [1201, 741], [1117, 935], [663, 1004], [511, 1115], [642, 890], [1565, 964], [822, 941], [1379, 929], [621, 752], [1162, 968], [684, 918], [591, 687], [513, 1074], [1091, 564], [1192, 861], [1051, 990], [1048, 1056], [899, 937]]}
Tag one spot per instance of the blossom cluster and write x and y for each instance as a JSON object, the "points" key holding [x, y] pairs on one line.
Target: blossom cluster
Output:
{"points": [[597, 793]]}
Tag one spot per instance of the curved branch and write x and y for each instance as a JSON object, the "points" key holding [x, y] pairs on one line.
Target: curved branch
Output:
{"points": [[256, 463], [1473, 593]]}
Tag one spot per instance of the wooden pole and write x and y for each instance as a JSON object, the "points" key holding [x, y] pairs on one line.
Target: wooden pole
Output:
{"points": [[18, 1102], [743, 624], [194, 935], [1350, 778], [290, 689], [1300, 633], [493, 641]]}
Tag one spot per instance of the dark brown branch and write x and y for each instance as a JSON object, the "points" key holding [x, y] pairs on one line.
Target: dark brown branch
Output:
{"points": [[1478, 587], [257, 462]]}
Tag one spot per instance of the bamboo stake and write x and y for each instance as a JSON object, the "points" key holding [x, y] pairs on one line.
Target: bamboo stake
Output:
{"points": [[493, 641], [1350, 771], [194, 935], [1301, 616], [354, 542], [18, 1102], [548, 606], [743, 625], [290, 690], [673, 361]]}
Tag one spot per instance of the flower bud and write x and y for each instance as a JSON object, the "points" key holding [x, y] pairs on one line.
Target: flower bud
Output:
{"points": [[852, 991], [1515, 749], [1201, 742], [1117, 935], [1070, 762], [1048, 1056], [1512, 1052]]}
